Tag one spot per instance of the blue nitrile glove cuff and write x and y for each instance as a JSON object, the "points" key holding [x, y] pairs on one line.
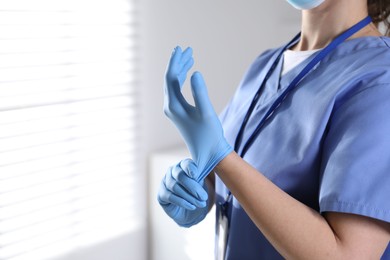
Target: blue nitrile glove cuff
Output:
{"points": [[224, 149]]}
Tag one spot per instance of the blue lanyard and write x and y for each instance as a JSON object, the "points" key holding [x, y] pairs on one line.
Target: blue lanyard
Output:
{"points": [[320, 56]]}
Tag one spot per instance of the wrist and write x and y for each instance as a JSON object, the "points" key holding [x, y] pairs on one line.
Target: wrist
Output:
{"points": [[207, 161], [225, 162]]}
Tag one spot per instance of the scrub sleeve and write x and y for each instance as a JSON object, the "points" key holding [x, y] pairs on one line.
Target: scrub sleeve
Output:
{"points": [[356, 156]]}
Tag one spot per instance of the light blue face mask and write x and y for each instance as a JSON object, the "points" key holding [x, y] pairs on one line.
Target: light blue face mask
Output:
{"points": [[305, 4]]}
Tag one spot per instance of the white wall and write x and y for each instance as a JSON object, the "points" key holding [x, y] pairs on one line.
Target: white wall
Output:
{"points": [[226, 35]]}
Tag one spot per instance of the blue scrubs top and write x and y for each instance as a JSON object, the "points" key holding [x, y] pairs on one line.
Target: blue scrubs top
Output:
{"points": [[327, 145]]}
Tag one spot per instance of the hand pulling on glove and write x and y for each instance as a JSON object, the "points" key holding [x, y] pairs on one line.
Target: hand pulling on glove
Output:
{"points": [[182, 197]]}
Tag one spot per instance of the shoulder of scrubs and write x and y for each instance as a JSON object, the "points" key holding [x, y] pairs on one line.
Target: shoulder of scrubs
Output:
{"points": [[366, 59], [356, 153]]}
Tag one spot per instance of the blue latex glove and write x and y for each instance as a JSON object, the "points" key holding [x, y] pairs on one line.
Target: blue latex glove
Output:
{"points": [[199, 126], [181, 196]]}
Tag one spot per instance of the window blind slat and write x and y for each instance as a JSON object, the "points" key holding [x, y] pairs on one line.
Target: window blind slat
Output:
{"points": [[59, 58], [60, 123], [64, 17], [44, 45], [43, 72], [69, 95], [69, 5]]}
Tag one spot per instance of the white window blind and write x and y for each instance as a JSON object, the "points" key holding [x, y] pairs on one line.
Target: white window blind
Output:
{"points": [[68, 125]]}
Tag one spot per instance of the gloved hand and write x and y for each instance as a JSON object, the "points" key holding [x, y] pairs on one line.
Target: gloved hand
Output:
{"points": [[199, 126], [183, 198]]}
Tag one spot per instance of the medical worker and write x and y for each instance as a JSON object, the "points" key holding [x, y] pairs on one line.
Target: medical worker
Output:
{"points": [[299, 161]]}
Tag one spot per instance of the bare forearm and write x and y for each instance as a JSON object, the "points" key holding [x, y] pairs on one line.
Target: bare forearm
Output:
{"points": [[295, 230]]}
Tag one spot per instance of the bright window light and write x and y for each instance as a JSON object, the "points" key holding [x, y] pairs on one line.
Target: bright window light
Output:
{"points": [[68, 125]]}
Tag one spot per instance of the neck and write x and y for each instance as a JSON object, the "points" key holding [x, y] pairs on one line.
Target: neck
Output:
{"points": [[327, 21]]}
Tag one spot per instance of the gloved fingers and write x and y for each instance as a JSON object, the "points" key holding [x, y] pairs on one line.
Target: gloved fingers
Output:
{"points": [[185, 64], [199, 92], [173, 65], [179, 65], [193, 187], [190, 168], [192, 171], [175, 102], [178, 190], [173, 68], [184, 71], [167, 198], [186, 56]]}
